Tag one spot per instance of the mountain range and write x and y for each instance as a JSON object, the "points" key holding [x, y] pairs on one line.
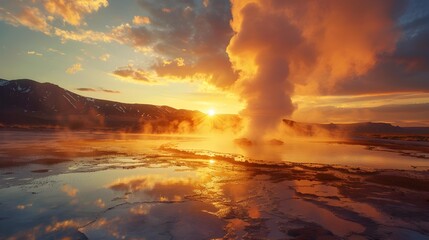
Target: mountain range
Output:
{"points": [[25, 103]]}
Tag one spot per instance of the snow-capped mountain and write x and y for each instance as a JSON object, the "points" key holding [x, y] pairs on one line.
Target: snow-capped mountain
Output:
{"points": [[30, 103]]}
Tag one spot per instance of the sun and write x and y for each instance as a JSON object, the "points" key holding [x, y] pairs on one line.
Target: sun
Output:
{"points": [[211, 112]]}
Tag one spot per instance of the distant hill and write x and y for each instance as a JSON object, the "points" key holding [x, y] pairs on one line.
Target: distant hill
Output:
{"points": [[353, 129], [27, 103]]}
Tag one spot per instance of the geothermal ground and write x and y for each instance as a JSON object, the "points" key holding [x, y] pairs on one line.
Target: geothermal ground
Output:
{"points": [[130, 186]]}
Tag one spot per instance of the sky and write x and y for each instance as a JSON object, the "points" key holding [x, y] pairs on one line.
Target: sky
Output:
{"points": [[312, 61]]}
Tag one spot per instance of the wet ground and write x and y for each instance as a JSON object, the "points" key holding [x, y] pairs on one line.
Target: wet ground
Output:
{"points": [[102, 186]]}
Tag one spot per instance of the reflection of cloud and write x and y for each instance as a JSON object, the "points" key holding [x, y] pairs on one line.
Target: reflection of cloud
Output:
{"points": [[69, 190], [61, 229], [61, 225], [161, 188], [22, 206], [74, 68], [141, 209], [152, 221], [99, 203]]}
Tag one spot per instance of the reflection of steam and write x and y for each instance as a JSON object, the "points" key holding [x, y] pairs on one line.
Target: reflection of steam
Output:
{"points": [[279, 44]]}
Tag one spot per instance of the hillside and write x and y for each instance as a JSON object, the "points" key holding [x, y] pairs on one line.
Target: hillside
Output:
{"points": [[29, 103], [373, 129]]}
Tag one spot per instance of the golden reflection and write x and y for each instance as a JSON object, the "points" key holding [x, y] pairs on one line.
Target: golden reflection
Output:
{"points": [[22, 206], [141, 209], [69, 190], [61, 225], [161, 188], [100, 203]]}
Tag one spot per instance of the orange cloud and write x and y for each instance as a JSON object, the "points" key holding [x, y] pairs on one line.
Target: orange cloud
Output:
{"points": [[139, 20], [73, 11], [74, 68], [30, 17], [87, 36], [131, 73], [215, 69]]}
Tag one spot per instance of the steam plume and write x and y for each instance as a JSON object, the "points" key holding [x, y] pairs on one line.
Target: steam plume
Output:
{"points": [[281, 43]]}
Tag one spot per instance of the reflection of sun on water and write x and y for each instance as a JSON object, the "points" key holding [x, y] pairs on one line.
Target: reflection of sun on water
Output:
{"points": [[211, 112]]}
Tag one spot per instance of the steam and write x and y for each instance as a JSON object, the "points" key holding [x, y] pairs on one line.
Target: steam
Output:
{"points": [[279, 44]]}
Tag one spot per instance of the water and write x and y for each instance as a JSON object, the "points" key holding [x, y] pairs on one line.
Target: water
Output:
{"points": [[130, 186]]}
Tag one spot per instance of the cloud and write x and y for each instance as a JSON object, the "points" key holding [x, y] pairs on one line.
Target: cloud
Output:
{"points": [[280, 44], [33, 16], [405, 69], [83, 89], [56, 51], [185, 30], [30, 17], [86, 36], [104, 57], [74, 68], [86, 89], [139, 20], [137, 37], [34, 53], [73, 11], [110, 91], [131, 73]]}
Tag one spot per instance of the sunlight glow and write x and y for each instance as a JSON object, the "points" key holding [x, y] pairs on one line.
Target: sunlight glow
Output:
{"points": [[211, 112]]}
